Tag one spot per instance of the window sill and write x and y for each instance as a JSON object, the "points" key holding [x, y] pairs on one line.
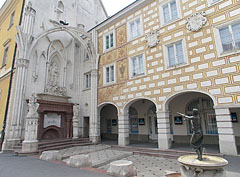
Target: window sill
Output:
{"points": [[86, 89], [170, 22], [132, 39], [108, 50], [109, 83], [138, 76], [177, 66], [214, 3], [231, 52]]}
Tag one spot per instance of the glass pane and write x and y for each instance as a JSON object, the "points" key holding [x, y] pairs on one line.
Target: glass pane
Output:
{"points": [[171, 56], [112, 73], [107, 74], [140, 61], [166, 13], [138, 27], [226, 39], [236, 34], [134, 69], [107, 42], [180, 56], [111, 37], [174, 10]]}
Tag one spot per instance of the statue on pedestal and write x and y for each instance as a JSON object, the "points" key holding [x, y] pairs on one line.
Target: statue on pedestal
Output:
{"points": [[197, 135], [32, 106]]}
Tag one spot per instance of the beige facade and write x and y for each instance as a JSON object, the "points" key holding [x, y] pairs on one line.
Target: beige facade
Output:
{"points": [[208, 72]]}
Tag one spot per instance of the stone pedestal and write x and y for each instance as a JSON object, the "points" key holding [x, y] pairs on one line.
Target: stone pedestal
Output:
{"points": [[50, 155], [30, 143], [122, 168], [79, 161], [210, 166], [75, 128]]}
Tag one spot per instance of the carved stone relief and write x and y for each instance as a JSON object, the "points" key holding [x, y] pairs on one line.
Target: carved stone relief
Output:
{"points": [[196, 21], [152, 38]]}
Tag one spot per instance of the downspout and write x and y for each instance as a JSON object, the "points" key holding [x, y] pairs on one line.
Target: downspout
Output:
{"points": [[10, 85]]}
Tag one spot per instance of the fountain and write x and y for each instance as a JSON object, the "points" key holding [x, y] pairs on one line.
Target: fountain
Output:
{"points": [[200, 165]]}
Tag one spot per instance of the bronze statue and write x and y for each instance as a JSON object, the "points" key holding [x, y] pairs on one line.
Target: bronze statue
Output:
{"points": [[197, 135]]}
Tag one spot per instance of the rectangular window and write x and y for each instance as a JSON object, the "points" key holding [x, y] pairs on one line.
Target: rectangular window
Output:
{"points": [[230, 37], [109, 74], [175, 54], [11, 20], [87, 79], [170, 11], [109, 41], [135, 29], [5, 55], [137, 65]]}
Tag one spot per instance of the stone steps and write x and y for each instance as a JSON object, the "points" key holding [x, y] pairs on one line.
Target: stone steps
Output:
{"points": [[54, 145], [169, 153]]}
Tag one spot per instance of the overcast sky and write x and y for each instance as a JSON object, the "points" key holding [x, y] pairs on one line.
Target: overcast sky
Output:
{"points": [[112, 6]]}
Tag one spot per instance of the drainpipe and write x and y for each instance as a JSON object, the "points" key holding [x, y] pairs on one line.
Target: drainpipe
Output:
{"points": [[10, 86]]}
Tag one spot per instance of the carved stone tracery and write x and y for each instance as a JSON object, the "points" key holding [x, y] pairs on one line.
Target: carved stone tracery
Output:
{"points": [[152, 38], [196, 21]]}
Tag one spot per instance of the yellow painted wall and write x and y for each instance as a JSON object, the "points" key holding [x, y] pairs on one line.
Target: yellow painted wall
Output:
{"points": [[7, 37], [205, 70]]}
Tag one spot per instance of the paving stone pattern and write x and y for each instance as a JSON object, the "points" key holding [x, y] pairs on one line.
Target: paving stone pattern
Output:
{"points": [[148, 166]]}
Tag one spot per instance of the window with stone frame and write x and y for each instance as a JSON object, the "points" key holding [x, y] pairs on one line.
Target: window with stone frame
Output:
{"points": [[169, 11], [135, 28], [109, 41], [5, 55], [87, 80], [137, 66], [109, 74], [175, 54], [230, 37], [11, 20]]}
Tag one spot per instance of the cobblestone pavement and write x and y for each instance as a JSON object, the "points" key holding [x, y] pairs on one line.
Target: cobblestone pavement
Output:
{"points": [[147, 166]]}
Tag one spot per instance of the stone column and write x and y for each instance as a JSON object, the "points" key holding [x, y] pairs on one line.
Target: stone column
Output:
{"points": [[94, 121], [227, 143], [164, 136], [30, 143], [75, 121], [15, 132], [123, 130]]}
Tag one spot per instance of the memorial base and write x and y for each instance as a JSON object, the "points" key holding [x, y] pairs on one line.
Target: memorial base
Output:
{"points": [[210, 166]]}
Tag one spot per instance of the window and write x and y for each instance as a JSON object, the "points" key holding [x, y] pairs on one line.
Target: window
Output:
{"points": [[109, 74], [86, 56], [135, 28], [175, 55], [4, 61], [169, 11], [137, 65], [11, 20], [230, 37], [109, 41], [87, 80]]}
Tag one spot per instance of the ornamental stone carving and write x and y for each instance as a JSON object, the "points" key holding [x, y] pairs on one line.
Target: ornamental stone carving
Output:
{"points": [[152, 38], [196, 21], [32, 106]]}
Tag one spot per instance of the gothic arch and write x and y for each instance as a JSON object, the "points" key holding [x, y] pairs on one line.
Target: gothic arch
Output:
{"points": [[75, 33], [172, 96]]}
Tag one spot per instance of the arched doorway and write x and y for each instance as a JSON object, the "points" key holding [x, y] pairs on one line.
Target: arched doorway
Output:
{"points": [[142, 121], [181, 129], [109, 123]]}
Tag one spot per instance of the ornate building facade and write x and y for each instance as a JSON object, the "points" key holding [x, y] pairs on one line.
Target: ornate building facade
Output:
{"points": [[56, 74], [161, 57]]}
